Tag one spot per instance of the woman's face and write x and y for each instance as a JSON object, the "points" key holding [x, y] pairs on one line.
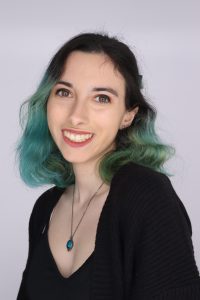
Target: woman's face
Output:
{"points": [[91, 98]]}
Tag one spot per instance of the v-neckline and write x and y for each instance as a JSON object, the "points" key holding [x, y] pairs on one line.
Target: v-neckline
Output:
{"points": [[91, 256], [75, 273]]}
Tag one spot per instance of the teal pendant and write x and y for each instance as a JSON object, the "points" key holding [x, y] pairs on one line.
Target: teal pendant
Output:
{"points": [[69, 244]]}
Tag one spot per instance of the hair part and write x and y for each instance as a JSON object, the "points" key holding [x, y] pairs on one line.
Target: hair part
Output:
{"points": [[40, 160]]}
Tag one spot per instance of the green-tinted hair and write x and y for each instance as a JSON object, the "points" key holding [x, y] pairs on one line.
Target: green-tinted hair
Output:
{"points": [[41, 162]]}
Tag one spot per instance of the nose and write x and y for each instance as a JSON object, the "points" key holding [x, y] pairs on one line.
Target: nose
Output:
{"points": [[78, 113]]}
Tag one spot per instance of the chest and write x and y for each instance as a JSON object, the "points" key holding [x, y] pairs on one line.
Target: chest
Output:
{"points": [[84, 237]]}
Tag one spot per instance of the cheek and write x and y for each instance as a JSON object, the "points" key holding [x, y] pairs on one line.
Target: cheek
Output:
{"points": [[49, 114], [112, 120], [54, 114], [52, 117]]}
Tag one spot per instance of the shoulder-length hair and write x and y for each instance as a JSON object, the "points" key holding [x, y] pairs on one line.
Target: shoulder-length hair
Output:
{"points": [[40, 161]]}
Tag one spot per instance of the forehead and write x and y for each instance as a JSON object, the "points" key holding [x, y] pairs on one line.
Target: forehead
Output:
{"points": [[91, 66]]}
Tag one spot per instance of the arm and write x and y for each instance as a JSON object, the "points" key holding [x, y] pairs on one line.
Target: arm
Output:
{"points": [[34, 228], [162, 261], [22, 290]]}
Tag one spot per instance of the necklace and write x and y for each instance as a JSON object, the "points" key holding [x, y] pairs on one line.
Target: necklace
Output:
{"points": [[70, 242]]}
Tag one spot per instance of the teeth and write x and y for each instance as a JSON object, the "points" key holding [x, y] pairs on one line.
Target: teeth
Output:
{"points": [[77, 137]]}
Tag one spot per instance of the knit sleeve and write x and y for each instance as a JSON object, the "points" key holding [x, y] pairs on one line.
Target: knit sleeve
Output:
{"points": [[22, 289], [163, 266], [33, 230]]}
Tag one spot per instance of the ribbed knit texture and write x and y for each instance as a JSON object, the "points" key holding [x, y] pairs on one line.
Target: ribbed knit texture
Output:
{"points": [[143, 247]]}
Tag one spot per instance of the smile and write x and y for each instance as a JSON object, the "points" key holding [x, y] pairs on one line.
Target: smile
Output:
{"points": [[77, 137], [77, 140]]}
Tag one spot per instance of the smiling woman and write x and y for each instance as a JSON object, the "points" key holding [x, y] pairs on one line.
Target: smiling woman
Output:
{"points": [[90, 132], [84, 107], [135, 138]]}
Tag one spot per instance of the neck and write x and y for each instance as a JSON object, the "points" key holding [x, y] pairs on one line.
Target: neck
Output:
{"points": [[87, 182]]}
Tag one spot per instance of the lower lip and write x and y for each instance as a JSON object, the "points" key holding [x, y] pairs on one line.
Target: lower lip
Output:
{"points": [[77, 144]]}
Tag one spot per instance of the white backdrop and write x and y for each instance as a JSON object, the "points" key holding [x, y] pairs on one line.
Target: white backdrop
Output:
{"points": [[165, 37]]}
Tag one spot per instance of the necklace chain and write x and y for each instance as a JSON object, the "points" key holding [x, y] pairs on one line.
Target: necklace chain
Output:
{"points": [[70, 242]]}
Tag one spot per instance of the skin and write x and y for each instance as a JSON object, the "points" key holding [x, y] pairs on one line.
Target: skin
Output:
{"points": [[99, 112]]}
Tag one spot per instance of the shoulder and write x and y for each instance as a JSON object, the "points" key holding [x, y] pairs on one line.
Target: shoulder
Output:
{"points": [[132, 176], [44, 200], [42, 207], [156, 234], [148, 194]]}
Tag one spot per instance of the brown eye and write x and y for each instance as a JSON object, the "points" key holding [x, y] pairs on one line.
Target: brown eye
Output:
{"points": [[63, 92], [103, 98]]}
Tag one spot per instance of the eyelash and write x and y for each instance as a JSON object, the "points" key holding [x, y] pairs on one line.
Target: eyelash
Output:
{"points": [[101, 95], [63, 90], [104, 96]]}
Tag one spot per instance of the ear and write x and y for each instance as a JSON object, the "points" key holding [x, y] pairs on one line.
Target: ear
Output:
{"points": [[128, 117]]}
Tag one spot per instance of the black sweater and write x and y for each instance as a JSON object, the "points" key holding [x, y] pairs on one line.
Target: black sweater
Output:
{"points": [[143, 247]]}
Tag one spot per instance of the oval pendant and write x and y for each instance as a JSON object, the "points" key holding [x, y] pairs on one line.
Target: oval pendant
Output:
{"points": [[69, 244]]}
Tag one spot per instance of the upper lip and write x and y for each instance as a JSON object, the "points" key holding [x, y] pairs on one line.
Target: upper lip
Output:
{"points": [[76, 131]]}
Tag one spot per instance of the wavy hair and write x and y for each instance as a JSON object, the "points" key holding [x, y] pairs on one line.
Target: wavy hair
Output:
{"points": [[41, 162]]}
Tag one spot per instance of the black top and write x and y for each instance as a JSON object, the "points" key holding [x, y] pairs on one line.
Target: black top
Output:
{"points": [[44, 280], [143, 246]]}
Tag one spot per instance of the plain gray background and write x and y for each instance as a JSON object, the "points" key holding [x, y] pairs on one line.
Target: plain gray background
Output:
{"points": [[165, 37]]}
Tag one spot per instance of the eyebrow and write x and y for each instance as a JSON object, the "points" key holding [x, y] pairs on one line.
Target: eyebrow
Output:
{"points": [[95, 89]]}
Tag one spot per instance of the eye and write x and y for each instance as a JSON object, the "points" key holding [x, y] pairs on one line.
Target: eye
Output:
{"points": [[62, 92], [103, 98]]}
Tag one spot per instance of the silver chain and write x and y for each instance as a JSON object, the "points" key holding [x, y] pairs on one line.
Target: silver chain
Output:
{"points": [[84, 211]]}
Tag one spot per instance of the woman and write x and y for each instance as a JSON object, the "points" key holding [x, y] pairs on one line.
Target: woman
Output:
{"points": [[112, 226]]}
